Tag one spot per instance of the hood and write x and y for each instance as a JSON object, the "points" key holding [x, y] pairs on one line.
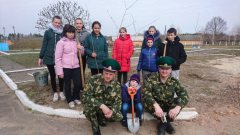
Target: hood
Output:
{"points": [[126, 38], [83, 30], [176, 39], [64, 38], [128, 85], [153, 41], [156, 35]]}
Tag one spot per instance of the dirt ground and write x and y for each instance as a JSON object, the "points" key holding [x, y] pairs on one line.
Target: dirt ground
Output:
{"points": [[213, 84]]}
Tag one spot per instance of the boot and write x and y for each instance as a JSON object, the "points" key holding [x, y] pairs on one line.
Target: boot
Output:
{"points": [[170, 129], [97, 133], [124, 123], [161, 128]]}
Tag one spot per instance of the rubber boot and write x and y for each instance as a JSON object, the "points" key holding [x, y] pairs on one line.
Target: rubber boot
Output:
{"points": [[161, 128], [169, 128]]}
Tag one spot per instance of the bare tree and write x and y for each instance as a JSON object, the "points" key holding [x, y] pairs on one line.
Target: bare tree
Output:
{"points": [[67, 10], [216, 27], [235, 32], [179, 32]]}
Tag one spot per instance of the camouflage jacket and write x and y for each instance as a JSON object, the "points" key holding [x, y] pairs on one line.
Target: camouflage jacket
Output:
{"points": [[95, 94], [156, 91]]}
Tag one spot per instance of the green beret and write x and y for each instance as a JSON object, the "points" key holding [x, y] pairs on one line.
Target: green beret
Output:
{"points": [[111, 65], [165, 62]]}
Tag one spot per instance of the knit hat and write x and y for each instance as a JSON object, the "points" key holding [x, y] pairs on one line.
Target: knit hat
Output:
{"points": [[135, 77], [150, 38]]}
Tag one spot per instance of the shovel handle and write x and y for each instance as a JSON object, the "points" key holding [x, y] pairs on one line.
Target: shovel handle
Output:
{"points": [[132, 92]]}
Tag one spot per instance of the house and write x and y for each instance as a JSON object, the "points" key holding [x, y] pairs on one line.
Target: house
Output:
{"points": [[137, 40]]}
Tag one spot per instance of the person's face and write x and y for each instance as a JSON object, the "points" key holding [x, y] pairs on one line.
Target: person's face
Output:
{"points": [[150, 43], [133, 83], [151, 31], [165, 72], [96, 29], [108, 76], [79, 24], [56, 23], [70, 35], [171, 36], [123, 33]]}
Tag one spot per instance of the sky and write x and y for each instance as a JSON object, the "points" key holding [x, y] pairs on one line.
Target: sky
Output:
{"points": [[182, 14]]}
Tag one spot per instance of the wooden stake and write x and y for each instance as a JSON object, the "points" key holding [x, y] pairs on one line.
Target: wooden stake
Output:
{"points": [[80, 60]]}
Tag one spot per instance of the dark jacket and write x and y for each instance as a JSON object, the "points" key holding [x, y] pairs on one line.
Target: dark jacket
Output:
{"points": [[175, 50], [100, 48], [126, 97], [148, 57], [157, 38], [47, 52], [82, 35]]}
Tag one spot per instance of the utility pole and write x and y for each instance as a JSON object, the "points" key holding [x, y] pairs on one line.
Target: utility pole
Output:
{"points": [[14, 33], [4, 33]]}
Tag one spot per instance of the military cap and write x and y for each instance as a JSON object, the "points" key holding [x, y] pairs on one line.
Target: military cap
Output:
{"points": [[165, 62], [111, 65]]}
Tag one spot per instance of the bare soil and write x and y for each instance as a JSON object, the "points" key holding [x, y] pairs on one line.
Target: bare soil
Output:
{"points": [[213, 84]]}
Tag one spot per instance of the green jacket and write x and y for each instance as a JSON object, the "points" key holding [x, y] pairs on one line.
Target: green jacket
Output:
{"points": [[99, 46], [156, 91], [47, 52], [95, 94]]}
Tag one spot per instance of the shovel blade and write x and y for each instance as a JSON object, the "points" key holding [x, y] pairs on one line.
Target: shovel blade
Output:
{"points": [[133, 125]]}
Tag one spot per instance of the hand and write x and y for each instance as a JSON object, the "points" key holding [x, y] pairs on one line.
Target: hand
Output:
{"points": [[109, 115], [158, 110], [173, 112], [94, 55], [39, 62], [165, 42], [79, 47], [61, 76], [105, 110]]}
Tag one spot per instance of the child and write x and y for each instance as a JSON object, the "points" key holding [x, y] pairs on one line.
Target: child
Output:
{"points": [[82, 35], [67, 64], [175, 50], [96, 48], [46, 56], [154, 32], [126, 100], [147, 59], [122, 52]]}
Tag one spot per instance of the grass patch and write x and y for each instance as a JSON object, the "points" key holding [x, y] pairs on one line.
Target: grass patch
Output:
{"points": [[26, 60], [207, 91], [29, 109], [33, 92], [27, 44], [229, 52]]}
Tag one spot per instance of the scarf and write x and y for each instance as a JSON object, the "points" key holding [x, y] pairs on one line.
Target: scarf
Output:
{"points": [[56, 30]]}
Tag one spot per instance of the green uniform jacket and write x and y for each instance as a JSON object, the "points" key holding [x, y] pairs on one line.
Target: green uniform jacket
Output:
{"points": [[99, 46], [95, 94], [47, 52], [156, 91]]}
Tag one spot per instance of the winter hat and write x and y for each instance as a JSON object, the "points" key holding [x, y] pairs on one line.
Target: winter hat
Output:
{"points": [[135, 77], [150, 38]]}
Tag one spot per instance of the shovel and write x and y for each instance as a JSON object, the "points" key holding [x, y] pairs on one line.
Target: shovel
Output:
{"points": [[133, 124]]}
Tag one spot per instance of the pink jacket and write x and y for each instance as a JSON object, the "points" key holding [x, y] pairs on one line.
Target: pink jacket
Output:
{"points": [[66, 55]]}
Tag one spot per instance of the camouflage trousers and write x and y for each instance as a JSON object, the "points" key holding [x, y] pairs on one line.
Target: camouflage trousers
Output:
{"points": [[95, 115], [166, 107]]}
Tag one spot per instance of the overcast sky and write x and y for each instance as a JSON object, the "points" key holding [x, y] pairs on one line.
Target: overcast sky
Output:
{"points": [[23, 14]]}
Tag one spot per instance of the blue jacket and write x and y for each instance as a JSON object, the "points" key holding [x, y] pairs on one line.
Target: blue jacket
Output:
{"points": [[148, 57], [126, 97]]}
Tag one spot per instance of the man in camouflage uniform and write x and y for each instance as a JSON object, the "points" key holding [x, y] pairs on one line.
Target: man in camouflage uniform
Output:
{"points": [[102, 97], [158, 95]]}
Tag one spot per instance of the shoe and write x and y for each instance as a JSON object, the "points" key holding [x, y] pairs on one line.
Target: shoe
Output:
{"points": [[55, 97], [170, 129], [62, 96], [124, 123], [140, 121], [97, 133], [161, 128], [77, 102], [71, 104]]}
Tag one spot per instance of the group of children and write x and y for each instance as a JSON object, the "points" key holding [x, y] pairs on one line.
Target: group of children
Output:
{"points": [[61, 49]]}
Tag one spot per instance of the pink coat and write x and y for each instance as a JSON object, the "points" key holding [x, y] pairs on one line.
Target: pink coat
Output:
{"points": [[66, 55]]}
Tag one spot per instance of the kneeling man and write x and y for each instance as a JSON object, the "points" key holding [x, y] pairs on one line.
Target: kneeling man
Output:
{"points": [[159, 92], [102, 97]]}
